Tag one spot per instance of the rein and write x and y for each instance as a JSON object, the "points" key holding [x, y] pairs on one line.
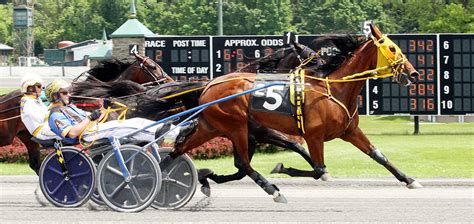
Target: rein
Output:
{"points": [[10, 109]]}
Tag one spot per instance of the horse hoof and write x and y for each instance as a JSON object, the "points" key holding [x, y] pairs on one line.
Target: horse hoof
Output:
{"points": [[414, 185], [277, 168], [279, 198], [326, 177], [206, 191]]}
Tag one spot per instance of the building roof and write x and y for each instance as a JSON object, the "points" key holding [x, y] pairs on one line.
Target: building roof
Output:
{"points": [[104, 51], [133, 27], [6, 47], [80, 44]]}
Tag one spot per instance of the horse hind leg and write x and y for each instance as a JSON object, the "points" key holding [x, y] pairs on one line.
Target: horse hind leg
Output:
{"points": [[34, 153], [270, 136], [359, 140], [204, 174], [240, 140]]}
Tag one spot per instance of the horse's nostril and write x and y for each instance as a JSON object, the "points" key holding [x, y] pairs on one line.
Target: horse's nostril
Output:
{"points": [[414, 74]]}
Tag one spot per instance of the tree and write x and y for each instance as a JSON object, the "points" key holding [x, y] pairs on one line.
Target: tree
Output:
{"points": [[453, 18], [6, 24]]}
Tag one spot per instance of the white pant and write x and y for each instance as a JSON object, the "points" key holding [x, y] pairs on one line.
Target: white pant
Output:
{"points": [[121, 128], [45, 133]]}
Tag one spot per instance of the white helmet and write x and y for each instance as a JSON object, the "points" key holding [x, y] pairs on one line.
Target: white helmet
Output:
{"points": [[29, 80]]}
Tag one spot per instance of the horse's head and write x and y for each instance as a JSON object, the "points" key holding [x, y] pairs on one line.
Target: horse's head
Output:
{"points": [[306, 57], [391, 60], [152, 70]]}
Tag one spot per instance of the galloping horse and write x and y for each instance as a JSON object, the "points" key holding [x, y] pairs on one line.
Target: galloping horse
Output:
{"points": [[329, 110], [143, 70], [172, 98]]}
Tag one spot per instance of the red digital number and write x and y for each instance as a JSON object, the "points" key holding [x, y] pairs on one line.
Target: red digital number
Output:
{"points": [[158, 55], [421, 43], [360, 101], [430, 88], [412, 46], [240, 65], [421, 60], [421, 74], [226, 54], [432, 59], [240, 54], [429, 45], [412, 90], [421, 89], [268, 51], [412, 104], [430, 75], [430, 104]]}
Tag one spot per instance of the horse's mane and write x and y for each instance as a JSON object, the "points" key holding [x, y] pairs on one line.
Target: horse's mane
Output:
{"points": [[341, 47], [97, 88], [268, 63], [109, 69], [345, 45]]}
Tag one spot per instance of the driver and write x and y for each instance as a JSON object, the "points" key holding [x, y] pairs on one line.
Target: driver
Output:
{"points": [[32, 109], [70, 122]]}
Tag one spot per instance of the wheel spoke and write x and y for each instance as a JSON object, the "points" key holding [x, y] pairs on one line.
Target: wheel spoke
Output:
{"points": [[117, 189], [143, 176], [57, 187], [75, 189], [114, 171], [58, 172], [180, 184], [131, 166], [135, 193], [80, 174], [174, 168]]}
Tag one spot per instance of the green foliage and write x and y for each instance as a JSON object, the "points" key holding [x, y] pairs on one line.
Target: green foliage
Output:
{"points": [[6, 22], [79, 20], [451, 19]]}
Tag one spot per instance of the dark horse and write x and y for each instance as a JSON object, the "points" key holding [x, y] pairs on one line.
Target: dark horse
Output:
{"points": [[169, 99], [142, 70], [330, 110]]}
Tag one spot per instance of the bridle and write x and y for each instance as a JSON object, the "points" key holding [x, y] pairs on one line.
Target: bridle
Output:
{"points": [[148, 72]]}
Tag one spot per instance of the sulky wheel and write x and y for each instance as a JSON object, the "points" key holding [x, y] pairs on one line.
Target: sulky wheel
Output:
{"points": [[140, 191], [179, 182], [73, 189]]}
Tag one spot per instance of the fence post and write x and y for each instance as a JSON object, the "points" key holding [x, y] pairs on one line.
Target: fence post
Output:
{"points": [[416, 120]]}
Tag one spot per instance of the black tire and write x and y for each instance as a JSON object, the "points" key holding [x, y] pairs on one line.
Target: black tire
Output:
{"points": [[64, 192], [140, 191], [179, 185]]}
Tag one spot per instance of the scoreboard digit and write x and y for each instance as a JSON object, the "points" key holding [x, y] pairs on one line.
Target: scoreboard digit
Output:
{"points": [[183, 58], [456, 74], [231, 53], [388, 97]]}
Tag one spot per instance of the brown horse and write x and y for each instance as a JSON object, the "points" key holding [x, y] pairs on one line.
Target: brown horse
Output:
{"points": [[329, 110], [11, 126], [143, 70]]}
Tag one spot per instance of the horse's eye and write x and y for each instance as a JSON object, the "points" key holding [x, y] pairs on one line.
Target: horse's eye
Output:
{"points": [[392, 48]]}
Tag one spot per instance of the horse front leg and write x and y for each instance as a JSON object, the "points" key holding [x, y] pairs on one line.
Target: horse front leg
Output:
{"points": [[359, 140]]}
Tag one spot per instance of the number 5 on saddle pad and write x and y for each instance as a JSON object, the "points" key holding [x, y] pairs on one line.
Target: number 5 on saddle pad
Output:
{"points": [[274, 99]]}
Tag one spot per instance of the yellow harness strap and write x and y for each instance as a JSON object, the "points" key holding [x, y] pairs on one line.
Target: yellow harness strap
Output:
{"points": [[107, 111], [297, 96]]}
